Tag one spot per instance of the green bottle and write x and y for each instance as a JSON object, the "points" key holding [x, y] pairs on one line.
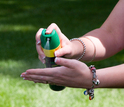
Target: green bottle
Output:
{"points": [[50, 43]]}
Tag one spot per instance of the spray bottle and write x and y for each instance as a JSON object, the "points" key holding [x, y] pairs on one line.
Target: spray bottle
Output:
{"points": [[50, 43]]}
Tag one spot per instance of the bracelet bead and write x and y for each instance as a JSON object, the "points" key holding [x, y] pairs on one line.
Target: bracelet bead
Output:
{"points": [[95, 81]]}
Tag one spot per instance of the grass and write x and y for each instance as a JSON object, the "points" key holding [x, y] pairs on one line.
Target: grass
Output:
{"points": [[19, 22]]}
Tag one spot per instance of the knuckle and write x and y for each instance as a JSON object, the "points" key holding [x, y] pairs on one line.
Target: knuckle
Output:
{"points": [[57, 75], [43, 78], [38, 33], [54, 24]]}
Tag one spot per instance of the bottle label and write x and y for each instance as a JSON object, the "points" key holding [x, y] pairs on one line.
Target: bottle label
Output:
{"points": [[50, 53]]}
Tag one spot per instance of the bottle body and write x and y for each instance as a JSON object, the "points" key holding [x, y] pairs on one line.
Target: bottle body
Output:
{"points": [[50, 43]]}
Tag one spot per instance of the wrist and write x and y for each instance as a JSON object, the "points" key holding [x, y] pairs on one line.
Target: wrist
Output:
{"points": [[90, 50], [78, 48], [83, 49], [95, 82]]}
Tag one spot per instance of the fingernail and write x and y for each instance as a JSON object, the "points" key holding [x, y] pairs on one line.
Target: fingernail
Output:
{"points": [[42, 56], [43, 61], [47, 31], [38, 42], [57, 59], [22, 75], [56, 53]]}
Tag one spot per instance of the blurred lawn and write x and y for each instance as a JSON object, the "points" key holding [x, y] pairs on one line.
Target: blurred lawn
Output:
{"points": [[19, 22]]}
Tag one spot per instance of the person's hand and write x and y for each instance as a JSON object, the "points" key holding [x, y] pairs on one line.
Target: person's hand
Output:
{"points": [[66, 49], [71, 73]]}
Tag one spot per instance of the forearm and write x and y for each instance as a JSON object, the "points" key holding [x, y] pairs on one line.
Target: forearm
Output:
{"points": [[108, 39], [112, 77], [98, 42]]}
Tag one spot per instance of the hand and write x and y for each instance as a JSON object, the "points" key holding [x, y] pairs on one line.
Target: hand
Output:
{"points": [[71, 73], [66, 49]]}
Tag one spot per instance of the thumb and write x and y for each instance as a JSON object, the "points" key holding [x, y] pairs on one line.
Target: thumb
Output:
{"points": [[65, 51], [51, 27], [38, 34], [70, 63]]}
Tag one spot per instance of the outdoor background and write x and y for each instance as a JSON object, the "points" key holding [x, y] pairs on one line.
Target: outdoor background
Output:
{"points": [[19, 22]]}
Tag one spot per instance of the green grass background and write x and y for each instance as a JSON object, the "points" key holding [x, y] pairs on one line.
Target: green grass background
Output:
{"points": [[19, 22]]}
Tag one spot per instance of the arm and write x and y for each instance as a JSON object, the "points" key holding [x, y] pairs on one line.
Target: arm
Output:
{"points": [[111, 77], [109, 38]]}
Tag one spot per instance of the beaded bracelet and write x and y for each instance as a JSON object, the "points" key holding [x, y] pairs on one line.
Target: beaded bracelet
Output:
{"points": [[95, 82], [84, 46]]}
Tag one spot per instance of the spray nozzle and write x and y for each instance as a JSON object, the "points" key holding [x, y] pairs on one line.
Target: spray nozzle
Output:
{"points": [[48, 39]]}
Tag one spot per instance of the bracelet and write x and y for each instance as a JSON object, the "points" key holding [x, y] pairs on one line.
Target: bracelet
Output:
{"points": [[94, 49], [84, 46], [95, 81]]}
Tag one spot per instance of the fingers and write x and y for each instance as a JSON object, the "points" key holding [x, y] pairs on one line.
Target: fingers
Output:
{"points": [[38, 42], [38, 34], [51, 27], [46, 75], [48, 30], [70, 63], [65, 51], [42, 58], [43, 72], [41, 55], [35, 78], [34, 75], [54, 26]]}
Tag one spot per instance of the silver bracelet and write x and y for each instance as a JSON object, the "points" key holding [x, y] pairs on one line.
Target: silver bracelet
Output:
{"points": [[84, 46], [94, 49]]}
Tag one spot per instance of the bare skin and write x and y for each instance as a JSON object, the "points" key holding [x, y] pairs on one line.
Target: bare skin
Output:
{"points": [[108, 40]]}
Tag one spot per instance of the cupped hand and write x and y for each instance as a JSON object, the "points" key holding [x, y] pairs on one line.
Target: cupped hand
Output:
{"points": [[66, 49], [71, 73]]}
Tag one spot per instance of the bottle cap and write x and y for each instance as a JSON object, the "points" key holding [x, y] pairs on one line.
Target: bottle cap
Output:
{"points": [[49, 41]]}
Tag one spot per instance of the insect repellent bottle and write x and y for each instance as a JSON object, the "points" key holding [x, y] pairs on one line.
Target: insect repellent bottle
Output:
{"points": [[50, 43]]}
